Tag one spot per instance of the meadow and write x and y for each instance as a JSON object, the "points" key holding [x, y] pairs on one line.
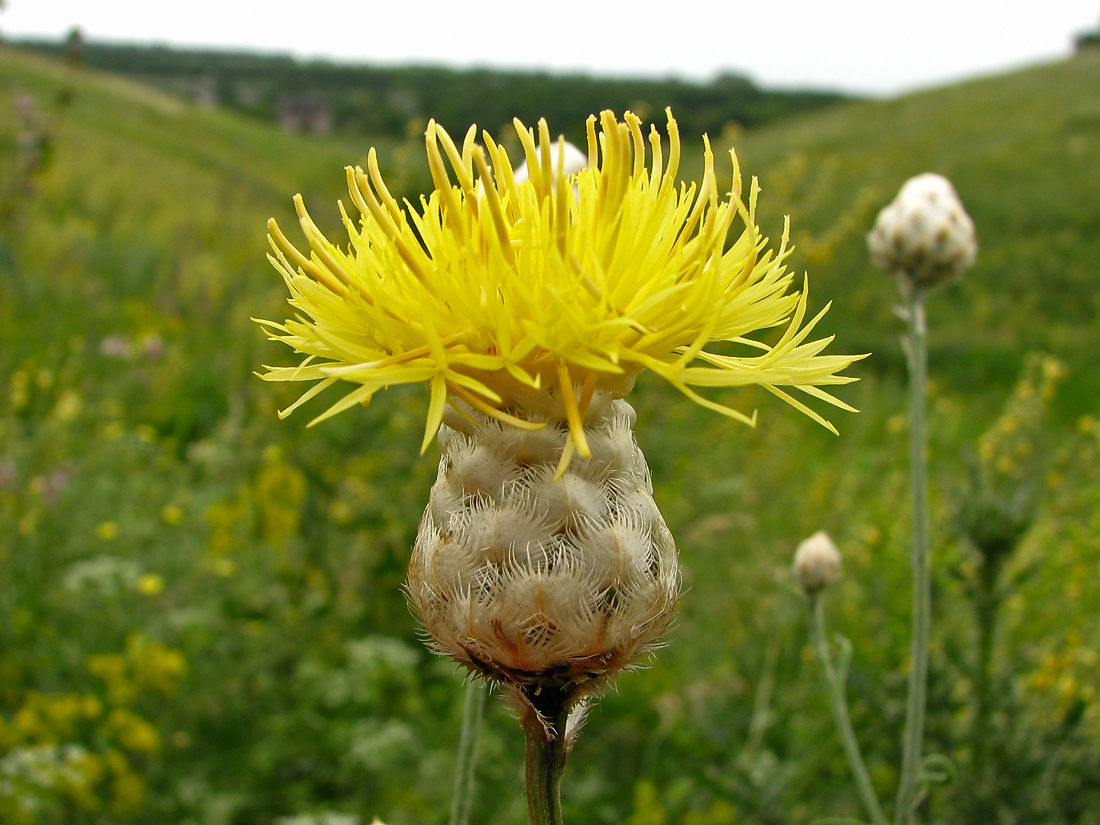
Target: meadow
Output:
{"points": [[201, 614]]}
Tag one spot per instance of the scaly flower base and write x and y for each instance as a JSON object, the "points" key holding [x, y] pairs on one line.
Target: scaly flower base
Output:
{"points": [[537, 575]]}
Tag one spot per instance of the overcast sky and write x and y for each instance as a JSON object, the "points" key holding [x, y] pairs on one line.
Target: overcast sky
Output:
{"points": [[869, 46]]}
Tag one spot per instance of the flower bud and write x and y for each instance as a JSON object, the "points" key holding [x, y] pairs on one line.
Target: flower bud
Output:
{"points": [[925, 233], [816, 563], [574, 158], [538, 578]]}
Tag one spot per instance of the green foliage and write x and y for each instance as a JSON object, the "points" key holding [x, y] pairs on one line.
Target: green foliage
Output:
{"points": [[377, 101], [231, 583]]}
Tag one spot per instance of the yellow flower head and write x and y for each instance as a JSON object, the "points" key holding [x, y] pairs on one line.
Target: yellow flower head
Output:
{"points": [[496, 291]]}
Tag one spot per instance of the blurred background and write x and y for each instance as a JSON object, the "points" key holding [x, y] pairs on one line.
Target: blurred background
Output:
{"points": [[201, 616]]}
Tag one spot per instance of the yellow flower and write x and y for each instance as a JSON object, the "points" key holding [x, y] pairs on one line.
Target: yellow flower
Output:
{"points": [[171, 514], [494, 291], [132, 732], [149, 584], [107, 530]]}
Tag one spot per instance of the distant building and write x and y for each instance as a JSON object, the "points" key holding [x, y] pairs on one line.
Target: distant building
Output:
{"points": [[305, 112], [205, 92]]}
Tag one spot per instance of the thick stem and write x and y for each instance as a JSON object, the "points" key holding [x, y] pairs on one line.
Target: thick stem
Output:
{"points": [[472, 711], [839, 707], [922, 579], [545, 754]]}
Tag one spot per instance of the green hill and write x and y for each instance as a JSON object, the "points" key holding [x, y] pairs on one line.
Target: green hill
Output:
{"points": [[1023, 154], [200, 609], [376, 101]]}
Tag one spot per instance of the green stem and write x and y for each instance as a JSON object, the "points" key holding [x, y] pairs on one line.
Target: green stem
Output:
{"points": [[761, 708], [922, 580], [986, 608], [472, 712], [839, 707], [985, 775], [545, 755]]}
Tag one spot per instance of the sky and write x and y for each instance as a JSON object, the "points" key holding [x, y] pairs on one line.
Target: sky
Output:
{"points": [[876, 47]]}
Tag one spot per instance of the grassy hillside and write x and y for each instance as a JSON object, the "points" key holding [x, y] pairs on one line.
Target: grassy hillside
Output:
{"points": [[1022, 151], [362, 99], [200, 608]]}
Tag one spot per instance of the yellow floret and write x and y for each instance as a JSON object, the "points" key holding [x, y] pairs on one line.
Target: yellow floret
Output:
{"points": [[494, 291]]}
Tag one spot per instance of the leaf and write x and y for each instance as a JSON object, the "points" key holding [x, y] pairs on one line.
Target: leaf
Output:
{"points": [[937, 769], [844, 657]]}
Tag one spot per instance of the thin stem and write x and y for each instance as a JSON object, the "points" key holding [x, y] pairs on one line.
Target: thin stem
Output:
{"points": [[839, 707], [987, 786], [986, 609], [761, 709], [922, 579], [545, 755], [472, 713]]}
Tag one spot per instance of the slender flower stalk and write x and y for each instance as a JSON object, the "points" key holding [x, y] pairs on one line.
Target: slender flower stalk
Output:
{"points": [[986, 604], [817, 566], [834, 685], [921, 559], [528, 301], [473, 710], [926, 237]]}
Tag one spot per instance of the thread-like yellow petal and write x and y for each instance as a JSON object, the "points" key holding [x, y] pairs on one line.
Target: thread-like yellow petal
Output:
{"points": [[494, 289]]}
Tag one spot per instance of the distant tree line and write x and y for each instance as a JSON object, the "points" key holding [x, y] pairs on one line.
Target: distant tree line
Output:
{"points": [[323, 96], [1087, 41]]}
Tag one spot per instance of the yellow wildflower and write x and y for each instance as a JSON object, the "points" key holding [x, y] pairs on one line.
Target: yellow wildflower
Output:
{"points": [[132, 732], [496, 290], [149, 584], [171, 514], [107, 530]]}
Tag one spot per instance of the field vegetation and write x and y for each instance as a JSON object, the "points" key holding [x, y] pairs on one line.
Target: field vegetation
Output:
{"points": [[201, 616]]}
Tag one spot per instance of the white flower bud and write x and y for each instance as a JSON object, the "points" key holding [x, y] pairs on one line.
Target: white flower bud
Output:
{"points": [[816, 563], [575, 160], [925, 233], [536, 581]]}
